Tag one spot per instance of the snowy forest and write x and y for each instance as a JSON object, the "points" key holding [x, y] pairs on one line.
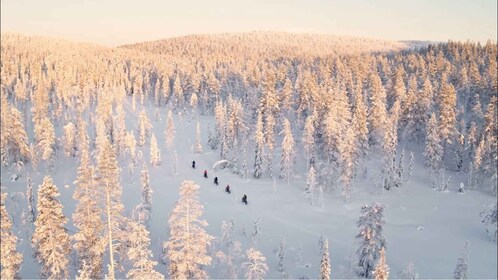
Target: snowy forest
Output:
{"points": [[359, 158]]}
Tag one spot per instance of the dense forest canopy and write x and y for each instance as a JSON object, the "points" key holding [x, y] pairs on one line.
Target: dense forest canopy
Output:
{"points": [[332, 102]]}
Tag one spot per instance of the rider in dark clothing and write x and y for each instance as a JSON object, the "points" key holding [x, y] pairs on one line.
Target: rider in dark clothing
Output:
{"points": [[205, 174], [216, 180], [193, 164], [227, 189], [244, 199]]}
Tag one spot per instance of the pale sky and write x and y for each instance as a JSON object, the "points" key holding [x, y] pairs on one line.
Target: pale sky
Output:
{"points": [[116, 22]]}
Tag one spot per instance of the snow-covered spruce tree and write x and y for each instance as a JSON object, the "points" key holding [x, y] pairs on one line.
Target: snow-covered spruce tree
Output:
{"points": [[347, 150], [31, 201], [120, 130], [169, 133], [433, 152], [389, 158], [198, 145], [462, 268], [460, 145], [370, 238], [225, 143], [88, 240], [142, 213], [219, 131], [381, 271], [490, 222], [140, 254], [268, 107], [360, 126], [234, 157], [256, 230], [110, 188], [10, 259], [256, 267], [45, 142], [230, 252], [131, 146], [70, 140], [155, 152], [447, 112], [400, 170], [310, 185], [243, 167], [325, 262], [260, 142], [377, 114], [186, 249], [287, 160], [309, 139], [410, 166], [144, 128], [490, 151], [14, 140], [50, 239], [281, 256]]}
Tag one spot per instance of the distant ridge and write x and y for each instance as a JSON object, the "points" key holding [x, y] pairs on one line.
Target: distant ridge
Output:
{"points": [[268, 44]]}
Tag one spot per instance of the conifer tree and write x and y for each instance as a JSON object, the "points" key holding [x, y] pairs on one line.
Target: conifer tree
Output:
{"points": [[381, 271], [140, 254], [287, 161], [259, 138], [309, 139], [187, 246], [410, 165], [310, 185], [377, 115], [433, 150], [70, 140], [256, 267], [360, 126], [490, 220], [110, 188], [145, 207], [50, 239], [325, 262], [155, 153], [230, 256], [447, 108], [88, 240], [45, 142], [31, 201], [198, 145], [10, 259], [169, 133], [144, 128], [281, 256], [462, 267], [370, 238], [14, 140]]}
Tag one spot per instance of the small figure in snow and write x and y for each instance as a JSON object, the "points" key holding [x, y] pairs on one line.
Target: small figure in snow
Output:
{"points": [[461, 189], [244, 199], [227, 189], [193, 164], [205, 174], [216, 180]]}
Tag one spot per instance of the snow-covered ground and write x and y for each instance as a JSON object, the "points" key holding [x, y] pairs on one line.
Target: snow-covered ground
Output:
{"points": [[423, 226]]}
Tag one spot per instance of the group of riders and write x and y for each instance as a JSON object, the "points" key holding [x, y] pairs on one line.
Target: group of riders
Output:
{"points": [[227, 188]]}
